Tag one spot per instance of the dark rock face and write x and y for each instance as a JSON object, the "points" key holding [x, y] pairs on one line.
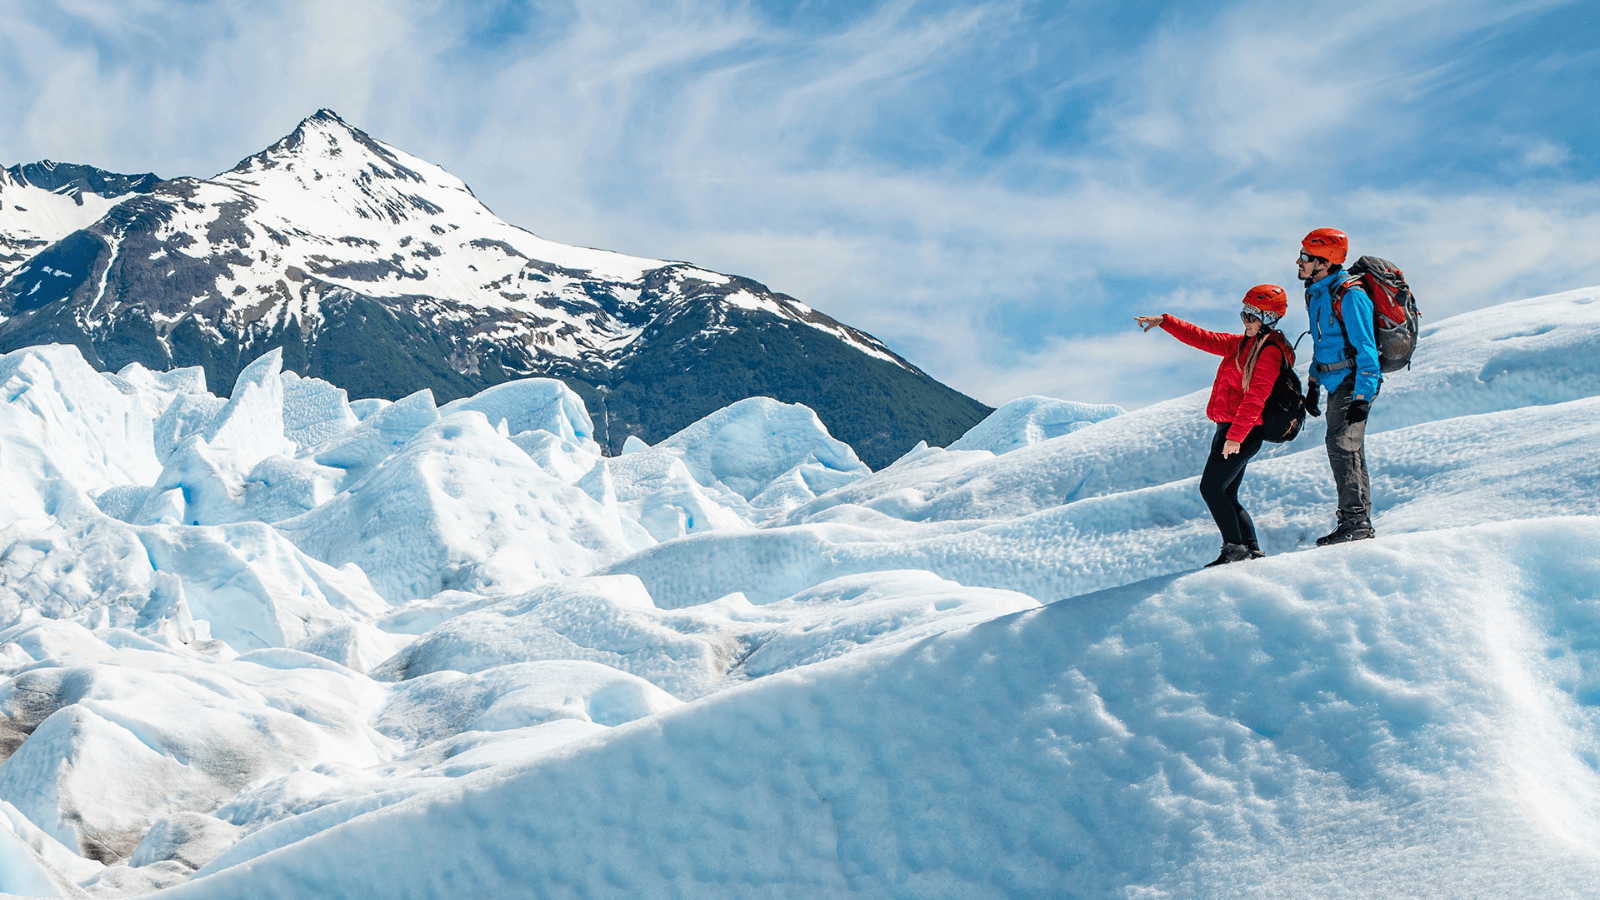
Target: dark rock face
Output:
{"points": [[687, 372], [404, 281]]}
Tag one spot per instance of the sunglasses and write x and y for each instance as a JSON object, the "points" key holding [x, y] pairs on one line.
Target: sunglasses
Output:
{"points": [[1306, 257], [1247, 317]]}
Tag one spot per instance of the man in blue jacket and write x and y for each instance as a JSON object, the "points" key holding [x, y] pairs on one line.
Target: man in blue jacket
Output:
{"points": [[1345, 364]]}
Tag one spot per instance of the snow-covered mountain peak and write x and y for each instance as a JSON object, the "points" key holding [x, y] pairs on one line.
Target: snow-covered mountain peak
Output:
{"points": [[386, 273], [327, 139], [327, 158], [329, 213], [376, 199]]}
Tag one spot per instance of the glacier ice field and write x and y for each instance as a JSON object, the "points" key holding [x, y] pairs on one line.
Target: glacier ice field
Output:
{"points": [[285, 644]]}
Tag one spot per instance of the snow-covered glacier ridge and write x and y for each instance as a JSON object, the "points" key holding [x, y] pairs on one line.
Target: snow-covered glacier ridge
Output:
{"points": [[285, 644]]}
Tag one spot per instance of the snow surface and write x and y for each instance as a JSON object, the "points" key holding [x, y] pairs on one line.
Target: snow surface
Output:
{"points": [[288, 645]]}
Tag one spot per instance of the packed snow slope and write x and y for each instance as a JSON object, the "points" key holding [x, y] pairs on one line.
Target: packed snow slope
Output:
{"points": [[1283, 730], [283, 644]]}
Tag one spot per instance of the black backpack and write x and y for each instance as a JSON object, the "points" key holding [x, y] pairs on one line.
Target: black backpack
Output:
{"points": [[1284, 413]]}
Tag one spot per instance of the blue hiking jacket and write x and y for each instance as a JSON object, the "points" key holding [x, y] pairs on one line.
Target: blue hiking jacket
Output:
{"points": [[1328, 347]]}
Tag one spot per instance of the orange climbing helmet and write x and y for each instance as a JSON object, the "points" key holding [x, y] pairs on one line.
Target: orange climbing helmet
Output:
{"points": [[1267, 302], [1331, 244], [1267, 298]]}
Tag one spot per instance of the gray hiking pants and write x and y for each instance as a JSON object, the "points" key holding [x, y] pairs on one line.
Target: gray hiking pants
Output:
{"points": [[1347, 455]]}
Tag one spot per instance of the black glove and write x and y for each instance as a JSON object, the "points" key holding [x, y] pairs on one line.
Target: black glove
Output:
{"points": [[1314, 399], [1358, 411]]}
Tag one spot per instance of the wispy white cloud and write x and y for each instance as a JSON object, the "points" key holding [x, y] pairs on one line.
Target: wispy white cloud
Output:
{"points": [[1542, 154], [190, 88]]}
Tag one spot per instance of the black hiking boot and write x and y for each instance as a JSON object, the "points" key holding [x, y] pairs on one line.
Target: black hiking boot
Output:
{"points": [[1348, 530], [1231, 553], [1256, 552]]}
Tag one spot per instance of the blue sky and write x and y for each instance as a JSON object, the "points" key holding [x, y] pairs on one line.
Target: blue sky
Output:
{"points": [[995, 189]]}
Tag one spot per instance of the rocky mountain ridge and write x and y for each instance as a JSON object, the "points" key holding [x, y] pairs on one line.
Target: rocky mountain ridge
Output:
{"points": [[42, 202], [384, 274]]}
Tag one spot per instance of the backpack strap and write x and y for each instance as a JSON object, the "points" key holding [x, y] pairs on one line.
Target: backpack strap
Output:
{"points": [[1285, 354], [1336, 294], [1282, 341]]}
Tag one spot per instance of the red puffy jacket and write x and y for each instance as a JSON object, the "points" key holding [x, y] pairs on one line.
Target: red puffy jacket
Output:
{"points": [[1230, 400]]}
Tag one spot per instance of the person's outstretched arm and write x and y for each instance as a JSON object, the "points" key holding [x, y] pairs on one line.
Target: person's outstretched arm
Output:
{"points": [[1210, 341]]}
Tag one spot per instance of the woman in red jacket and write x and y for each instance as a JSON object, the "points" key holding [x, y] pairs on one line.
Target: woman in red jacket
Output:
{"points": [[1250, 366]]}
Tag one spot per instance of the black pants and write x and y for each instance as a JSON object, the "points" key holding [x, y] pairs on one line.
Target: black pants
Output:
{"points": [[1219, 486]]}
